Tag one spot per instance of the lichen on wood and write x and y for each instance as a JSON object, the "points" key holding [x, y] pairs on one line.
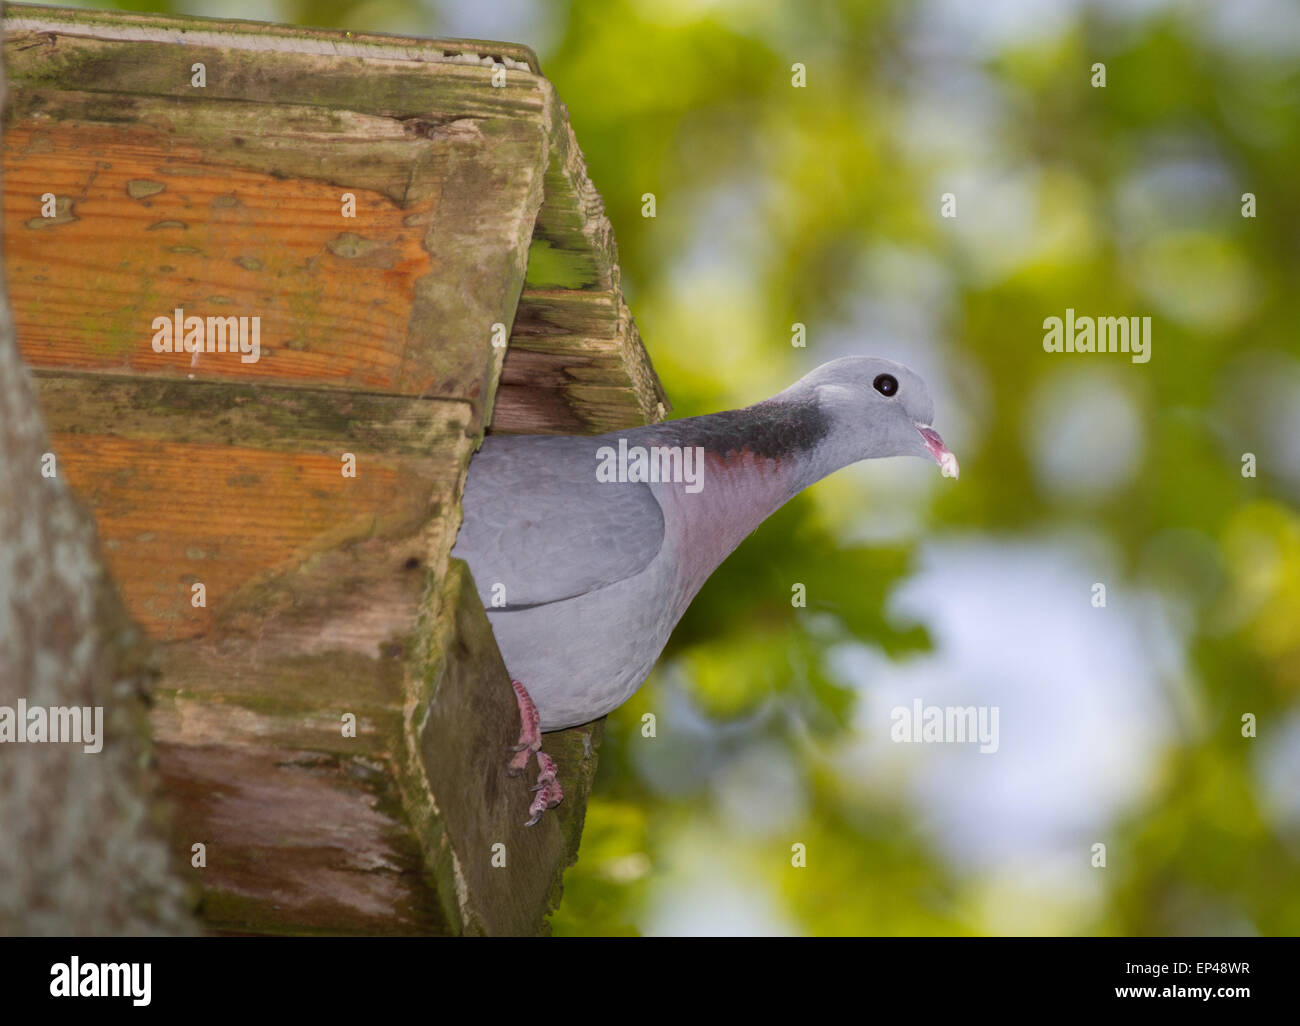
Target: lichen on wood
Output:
{"points": [[506, 875], [332, 719], [103, 865]]}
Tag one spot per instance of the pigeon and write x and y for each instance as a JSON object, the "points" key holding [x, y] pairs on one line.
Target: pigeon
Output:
{"points": [[587, 550]]}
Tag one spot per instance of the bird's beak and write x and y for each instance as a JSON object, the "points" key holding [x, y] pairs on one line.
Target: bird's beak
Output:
{"points": [[946, 460]]}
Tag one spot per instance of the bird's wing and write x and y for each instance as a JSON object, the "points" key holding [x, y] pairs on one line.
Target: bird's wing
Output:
{"points": [[536, 520]]}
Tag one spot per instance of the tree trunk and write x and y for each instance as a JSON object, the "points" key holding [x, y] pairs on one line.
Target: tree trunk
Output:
{"points": [[82, 847]]}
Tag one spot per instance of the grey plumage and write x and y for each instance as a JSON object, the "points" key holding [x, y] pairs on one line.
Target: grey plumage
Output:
{"points": [[584, 579]]}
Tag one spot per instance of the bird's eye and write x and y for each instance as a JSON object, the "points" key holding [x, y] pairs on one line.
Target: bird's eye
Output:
{"points": [[886, 384]]}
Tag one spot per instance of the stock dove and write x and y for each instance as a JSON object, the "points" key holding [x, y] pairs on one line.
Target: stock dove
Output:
{"points": [[587, 550]]}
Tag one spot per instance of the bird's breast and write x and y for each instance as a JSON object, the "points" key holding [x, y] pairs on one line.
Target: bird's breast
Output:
{"points": [[737, 491]]}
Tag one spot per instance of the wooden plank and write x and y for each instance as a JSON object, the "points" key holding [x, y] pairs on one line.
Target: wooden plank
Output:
{"points": [[462, 719], [315, 584], [200, 483], [389, 95], [155, 216], [327, 597], [39, 21], [576, 366], [250, 747], [298, 842], [262, 416], [573, 242], [210, 240]]}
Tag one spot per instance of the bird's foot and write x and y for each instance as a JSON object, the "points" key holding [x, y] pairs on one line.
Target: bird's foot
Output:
{"points": [[530, 732], [548, 791], [547, 787]]}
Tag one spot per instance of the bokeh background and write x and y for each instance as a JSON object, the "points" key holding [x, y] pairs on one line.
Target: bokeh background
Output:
{"points": [[820, 205]]}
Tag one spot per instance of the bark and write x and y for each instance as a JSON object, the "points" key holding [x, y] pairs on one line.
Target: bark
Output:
{"points": [[82, 847]]}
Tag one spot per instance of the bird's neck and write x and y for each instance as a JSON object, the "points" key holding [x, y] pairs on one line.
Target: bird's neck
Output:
{"points": [[750, 463]]}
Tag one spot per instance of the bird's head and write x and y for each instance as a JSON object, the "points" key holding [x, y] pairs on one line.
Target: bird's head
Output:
{"points": [[877, 408]]}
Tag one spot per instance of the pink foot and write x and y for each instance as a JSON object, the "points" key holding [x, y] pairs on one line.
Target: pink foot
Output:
{"points": [[547, 787], [530, 733]]}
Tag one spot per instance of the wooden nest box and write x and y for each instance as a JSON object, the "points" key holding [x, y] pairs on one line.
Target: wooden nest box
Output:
{"points": [[405, 229]]}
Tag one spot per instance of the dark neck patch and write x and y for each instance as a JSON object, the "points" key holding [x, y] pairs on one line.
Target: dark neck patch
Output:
{"points": [[774, 429]]}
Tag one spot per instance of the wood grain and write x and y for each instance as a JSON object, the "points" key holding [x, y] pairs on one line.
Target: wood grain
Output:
{"points": [[331, 602]]}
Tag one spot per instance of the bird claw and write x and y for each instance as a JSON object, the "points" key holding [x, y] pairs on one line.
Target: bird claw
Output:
{"points": [[519, 763], [549, 793], [530, 730], [547, 789]]}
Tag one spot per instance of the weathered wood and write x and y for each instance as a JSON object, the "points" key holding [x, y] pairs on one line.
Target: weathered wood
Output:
{"points": [[306, 826], [575, 366], [228, 486], [327, 597], [402, 103], [41, 20], [134, 53], [83, 847], [573, 243], [238, 212], [299, 842], [459, 730]]}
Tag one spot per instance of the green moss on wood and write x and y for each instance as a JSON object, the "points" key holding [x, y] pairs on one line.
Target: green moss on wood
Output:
{"points": [[462, 720], [251, 416], [552, 268], [143, 188]]}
